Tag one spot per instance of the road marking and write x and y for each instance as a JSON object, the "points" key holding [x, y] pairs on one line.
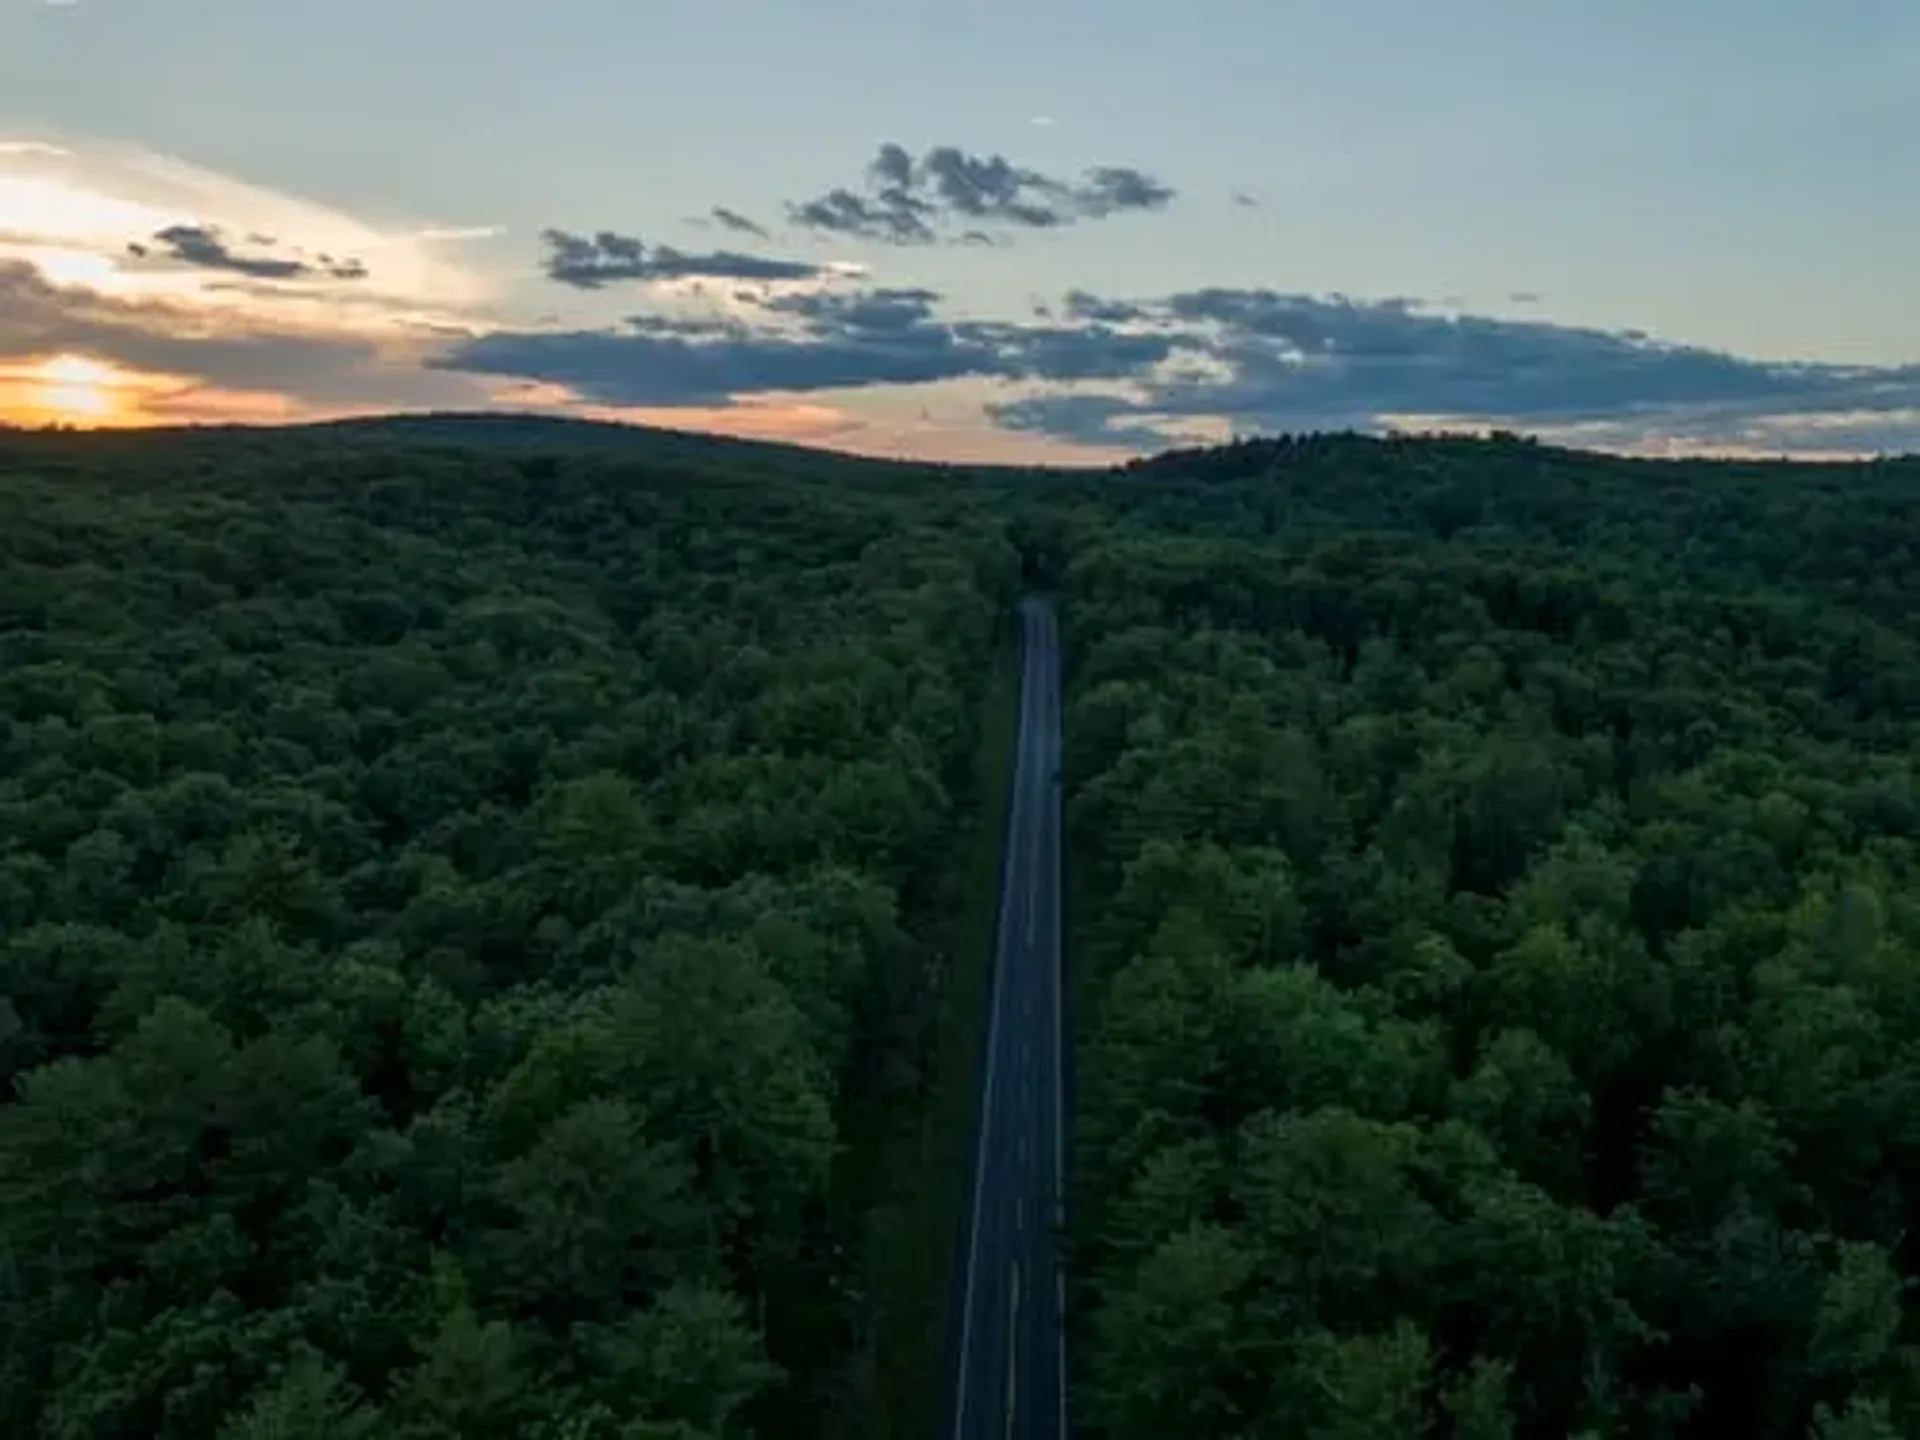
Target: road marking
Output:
{"points": [[1013, 1343]]}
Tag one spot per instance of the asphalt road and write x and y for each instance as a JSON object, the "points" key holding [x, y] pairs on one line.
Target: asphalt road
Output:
{"points": [[1009, 1363]]}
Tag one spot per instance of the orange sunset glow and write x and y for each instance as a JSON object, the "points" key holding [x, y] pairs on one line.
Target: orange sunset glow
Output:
{"points": [[72, 390]]}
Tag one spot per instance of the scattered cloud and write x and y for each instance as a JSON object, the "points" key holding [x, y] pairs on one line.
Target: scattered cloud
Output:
{"points": [[591, 262], [738, 223], [205, 247], [1136, 374], [217, 318], [907, 201], [185, 351], [804, 342], [214, 317], [71, 206], [40, 319], [1275, 362], [1106, 420]]}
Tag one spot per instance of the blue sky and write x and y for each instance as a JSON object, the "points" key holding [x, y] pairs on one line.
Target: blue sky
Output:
{"points": [[1731, 178]]}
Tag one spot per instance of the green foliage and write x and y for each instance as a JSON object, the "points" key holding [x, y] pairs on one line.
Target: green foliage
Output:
{"points": [[1495, 912], [451, 902], [469, 898]]}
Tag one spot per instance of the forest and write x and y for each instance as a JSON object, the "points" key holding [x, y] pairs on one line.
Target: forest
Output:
{"points": [[477, 897], [1498, 916], [462, 910]]}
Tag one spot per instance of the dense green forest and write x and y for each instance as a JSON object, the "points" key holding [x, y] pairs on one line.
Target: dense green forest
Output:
{"points": [[460, 912], [1499, 944], [477, 897]]}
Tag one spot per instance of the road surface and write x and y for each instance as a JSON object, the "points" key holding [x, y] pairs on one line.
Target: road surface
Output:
{"points": [[1009, 1366]]}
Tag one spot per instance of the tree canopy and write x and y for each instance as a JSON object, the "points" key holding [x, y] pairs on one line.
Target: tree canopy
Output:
{"points": [[449, 901], [1497, 928], [465, 887]]}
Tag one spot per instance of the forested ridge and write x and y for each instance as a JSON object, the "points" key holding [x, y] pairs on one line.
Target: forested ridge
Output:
{"points": [[458, 911], [1498, 943], [472, 893]]}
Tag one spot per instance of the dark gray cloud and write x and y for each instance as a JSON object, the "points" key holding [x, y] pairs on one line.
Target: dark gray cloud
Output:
{"points": [[904, 220], [1079, 305], [205, 248], [859, 311], [1111, 420], [1243, 360], [651, 367], [1254, 360], [1275, 362], [39, 319], [589, 262], [740, 224], [1110, 189], [1243, 199], [828, 340], [908, 201]]}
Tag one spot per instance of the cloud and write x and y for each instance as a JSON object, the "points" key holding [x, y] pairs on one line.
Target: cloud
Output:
{"points": [[591, 262], [805, 342], [195, 351], [40, 319], [216, 320], [740, 224], [908, 201], [72, 204], [1079, 305], [203, 246], [1220, 360], [189, 363], [454, 234], [1267, 361], [217, 317], [1109, 420], [859, 312]]}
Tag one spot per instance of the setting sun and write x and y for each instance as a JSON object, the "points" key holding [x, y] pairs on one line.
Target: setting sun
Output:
{"points": [[71, 390], [75, 387]]}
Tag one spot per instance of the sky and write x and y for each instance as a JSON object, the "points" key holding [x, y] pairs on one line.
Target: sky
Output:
{"points": [[1021, 230]]}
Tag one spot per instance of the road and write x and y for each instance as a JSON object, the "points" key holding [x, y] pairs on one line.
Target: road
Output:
{"points": [[1008, 1369]]}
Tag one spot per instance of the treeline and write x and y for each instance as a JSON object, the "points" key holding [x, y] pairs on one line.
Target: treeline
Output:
{"points": [[451, 904], [1498, 933]]}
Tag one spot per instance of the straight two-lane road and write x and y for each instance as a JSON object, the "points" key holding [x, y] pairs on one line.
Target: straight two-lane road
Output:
{"points": [[1009, 1365]]}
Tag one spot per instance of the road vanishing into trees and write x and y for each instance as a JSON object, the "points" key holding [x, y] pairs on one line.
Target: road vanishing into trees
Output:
{"points": [[1009, 1369]]}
